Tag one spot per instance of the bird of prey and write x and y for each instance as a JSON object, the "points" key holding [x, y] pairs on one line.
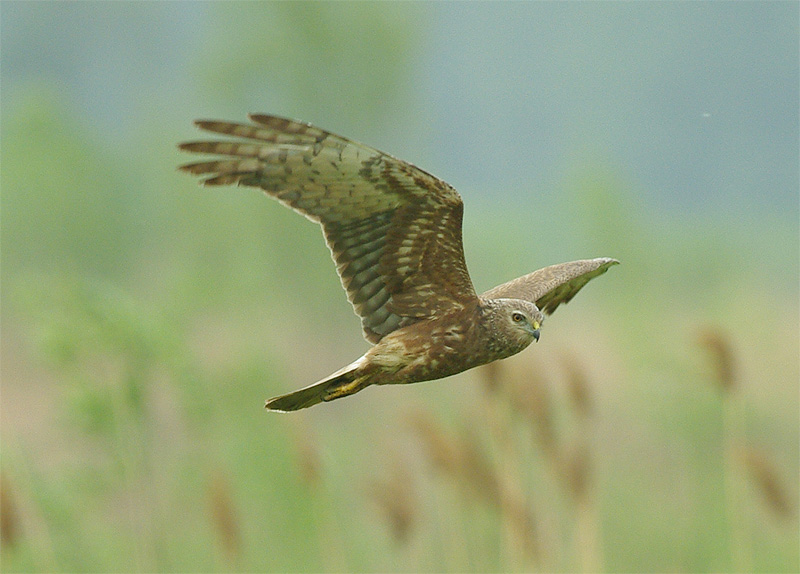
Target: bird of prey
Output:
{"points": [[394, 231]]}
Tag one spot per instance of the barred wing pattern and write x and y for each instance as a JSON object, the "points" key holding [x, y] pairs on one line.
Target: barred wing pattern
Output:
{"points": [[393, 229], [551, 286]]}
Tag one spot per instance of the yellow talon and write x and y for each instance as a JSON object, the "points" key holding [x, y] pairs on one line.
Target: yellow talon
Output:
{"points": [[346, 389]]}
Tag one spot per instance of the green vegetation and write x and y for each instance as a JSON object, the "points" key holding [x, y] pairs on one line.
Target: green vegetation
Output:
{"points": [[653, 428]]}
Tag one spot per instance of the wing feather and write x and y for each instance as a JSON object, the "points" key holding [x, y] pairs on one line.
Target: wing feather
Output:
{"points": [[551, 286], [394, 230]]}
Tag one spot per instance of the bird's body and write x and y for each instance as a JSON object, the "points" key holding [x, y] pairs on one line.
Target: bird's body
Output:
{"points": [[427, 350], [394, 232]]}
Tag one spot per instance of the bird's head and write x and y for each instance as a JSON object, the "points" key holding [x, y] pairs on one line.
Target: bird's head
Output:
{"points": [[518, 321], [527, 318]]}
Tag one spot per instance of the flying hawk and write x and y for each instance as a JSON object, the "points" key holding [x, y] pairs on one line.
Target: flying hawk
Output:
{"points": [[394, 231]]}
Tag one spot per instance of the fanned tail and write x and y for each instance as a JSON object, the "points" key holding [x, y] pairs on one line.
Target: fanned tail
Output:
{"points": [[340, 384]]}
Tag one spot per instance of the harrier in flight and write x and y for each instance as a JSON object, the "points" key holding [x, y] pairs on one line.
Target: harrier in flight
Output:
{"points": [[394, 231]]}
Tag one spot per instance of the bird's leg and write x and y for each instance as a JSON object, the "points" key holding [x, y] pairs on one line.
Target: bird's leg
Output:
{"points": [[348, 388]]}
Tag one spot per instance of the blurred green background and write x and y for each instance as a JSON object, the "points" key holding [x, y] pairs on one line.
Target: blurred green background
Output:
{"points": [[145, 320]]}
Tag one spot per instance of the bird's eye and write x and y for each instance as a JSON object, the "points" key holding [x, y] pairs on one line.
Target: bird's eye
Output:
{"points": [[517, 317]]}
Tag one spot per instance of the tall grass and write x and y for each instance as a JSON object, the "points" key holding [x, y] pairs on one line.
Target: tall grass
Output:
{"points": [[152, 467]]}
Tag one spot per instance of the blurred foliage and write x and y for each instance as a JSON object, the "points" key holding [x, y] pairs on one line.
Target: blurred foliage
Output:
{"points": [[68, 198], [144, 321], [347, 60]]}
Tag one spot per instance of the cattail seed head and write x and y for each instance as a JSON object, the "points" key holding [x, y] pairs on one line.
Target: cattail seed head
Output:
{"points": [[720, 350], [765, 477], [395, 499], [578, 387], [9, 519], [224, 518]]}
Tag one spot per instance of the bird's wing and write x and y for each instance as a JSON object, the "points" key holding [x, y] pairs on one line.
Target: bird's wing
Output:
{"points": [[553, 285], [394, 230]]}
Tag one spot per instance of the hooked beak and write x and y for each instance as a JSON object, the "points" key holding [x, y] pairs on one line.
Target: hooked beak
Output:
{"points": [[536, 330]]}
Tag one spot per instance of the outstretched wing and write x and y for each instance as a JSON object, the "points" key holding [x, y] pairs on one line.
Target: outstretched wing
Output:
{"points": [[551, 286], [394, 230]]}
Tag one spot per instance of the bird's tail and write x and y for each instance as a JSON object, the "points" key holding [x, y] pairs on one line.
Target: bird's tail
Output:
{"points": [[343, 382]]}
